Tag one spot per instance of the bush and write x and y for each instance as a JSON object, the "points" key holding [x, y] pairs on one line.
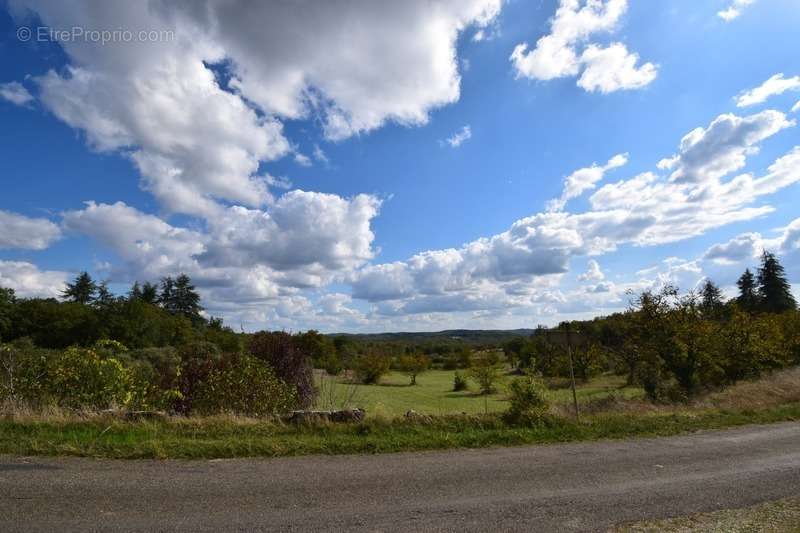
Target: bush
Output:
{"points": [[244, 386], [485, 370], [459, 382], [81, 378], [370, 367], [22, 372], [198, 360], [528, 403], [291, 364]]}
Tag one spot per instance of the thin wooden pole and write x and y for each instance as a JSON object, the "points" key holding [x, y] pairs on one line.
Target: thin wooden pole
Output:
{"points": [[572, 377]]}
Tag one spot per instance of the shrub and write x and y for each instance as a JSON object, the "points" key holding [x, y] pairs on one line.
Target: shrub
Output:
{"points": [[290, 363], [528, 403], [370, 367], [81, 378], [198, 360], [459, 382], [244, 386], [485, 370], [22, 372]]}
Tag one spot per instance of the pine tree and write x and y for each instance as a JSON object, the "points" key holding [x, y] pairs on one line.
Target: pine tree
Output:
{"points": [[149, 293], [748, 297], [82, 290], [774, 291], [104, 297], [167, 296], [136, 292], [711, 298], [186, 299]]}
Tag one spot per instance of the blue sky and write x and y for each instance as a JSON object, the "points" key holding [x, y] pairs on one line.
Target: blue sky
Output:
{"points": [[296, 163]]}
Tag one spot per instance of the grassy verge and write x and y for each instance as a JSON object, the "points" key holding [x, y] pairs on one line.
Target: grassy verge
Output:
{"points": [[222, 437], [782, 516]]}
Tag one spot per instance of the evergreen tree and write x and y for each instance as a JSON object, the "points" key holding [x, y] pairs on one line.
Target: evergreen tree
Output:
{"points": [[186, 299], [773, 289], [167, 296], [149, 293], [711, 298], [81, 290], [136, 292], [104, 297], [748, 297]]}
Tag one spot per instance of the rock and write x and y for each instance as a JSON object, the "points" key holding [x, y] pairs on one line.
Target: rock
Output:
{"points": [[342, 416]]}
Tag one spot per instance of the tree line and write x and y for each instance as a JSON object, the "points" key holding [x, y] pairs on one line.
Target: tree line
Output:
{"points": [[675, 345]]}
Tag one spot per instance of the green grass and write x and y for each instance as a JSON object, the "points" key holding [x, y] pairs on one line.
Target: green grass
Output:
{"points": [[433, 394], [782, 516], [229, 437]]}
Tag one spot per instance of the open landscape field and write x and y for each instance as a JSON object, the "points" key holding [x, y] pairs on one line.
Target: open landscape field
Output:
{"points": [[433, 394]]}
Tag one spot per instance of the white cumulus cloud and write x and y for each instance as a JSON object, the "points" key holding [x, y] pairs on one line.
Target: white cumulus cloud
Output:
{"points": [[19, 231], [777, 84], [558, 54]]}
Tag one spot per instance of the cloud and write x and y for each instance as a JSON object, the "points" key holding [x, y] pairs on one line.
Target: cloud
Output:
{"points": [[358, 64], [585, 179], [734, 10], [459, 137], [302, 159], [198, 137], [520, 267], [303, 241], [742, 247], [593, 272], [774, 86], [28, 281], [712, 152], [319, 155], [613, 68], [22, 232], [796, 107], [557, 54], [15, 93]]}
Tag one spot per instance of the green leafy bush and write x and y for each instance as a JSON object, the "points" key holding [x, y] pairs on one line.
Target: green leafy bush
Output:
{"points": [[370, 367], [81, 378], [527, 401], [459, 382], [245, 385]]}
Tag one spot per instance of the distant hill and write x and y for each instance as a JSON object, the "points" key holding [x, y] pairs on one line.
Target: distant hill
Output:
{"points": [[469, 336]]}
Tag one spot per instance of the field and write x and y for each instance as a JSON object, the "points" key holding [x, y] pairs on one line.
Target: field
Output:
{"points": [[433, 394]]}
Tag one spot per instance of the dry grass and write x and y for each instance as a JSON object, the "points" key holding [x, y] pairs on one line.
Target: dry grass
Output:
{"points": [[778, 388]]}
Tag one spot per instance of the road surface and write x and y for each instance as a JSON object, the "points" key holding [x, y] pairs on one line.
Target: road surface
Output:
{"points": [[569, 487]]}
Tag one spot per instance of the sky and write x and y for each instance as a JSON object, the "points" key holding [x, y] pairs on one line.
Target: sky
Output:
{"points": [[399, 166]]}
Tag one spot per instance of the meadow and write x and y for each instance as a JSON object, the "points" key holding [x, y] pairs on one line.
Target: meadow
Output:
{"points": [[433, 394]]}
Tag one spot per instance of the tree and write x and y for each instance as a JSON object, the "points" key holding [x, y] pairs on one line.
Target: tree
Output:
{"points": [[104, 297], [711, 298], [136, 292], [7, 301], [413, 365], [370, 367], [748, 298], [149, 293], [166, 297], [773, 289], [485, 370], [81, 290], [179, 297]]}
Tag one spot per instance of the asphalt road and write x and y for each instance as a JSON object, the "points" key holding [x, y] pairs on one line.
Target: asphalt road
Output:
{"points": [[570, 487]]}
